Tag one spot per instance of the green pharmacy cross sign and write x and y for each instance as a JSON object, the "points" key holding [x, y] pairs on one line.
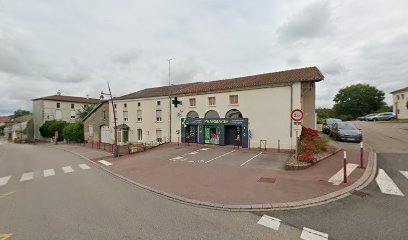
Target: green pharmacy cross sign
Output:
{"points": [[176, 102]]}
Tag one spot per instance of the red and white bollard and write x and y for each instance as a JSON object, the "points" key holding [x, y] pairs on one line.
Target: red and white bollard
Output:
{"points": [[361, 156], [345, 167]]}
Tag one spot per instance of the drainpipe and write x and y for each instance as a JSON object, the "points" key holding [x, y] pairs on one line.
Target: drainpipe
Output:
{"points": [[170, 118]]}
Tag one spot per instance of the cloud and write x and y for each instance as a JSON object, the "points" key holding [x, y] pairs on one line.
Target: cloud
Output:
{"points": [[293, 60], [313, 21], [333, 67]]}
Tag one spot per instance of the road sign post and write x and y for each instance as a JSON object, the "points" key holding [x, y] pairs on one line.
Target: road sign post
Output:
{"points": [[297, 116]]}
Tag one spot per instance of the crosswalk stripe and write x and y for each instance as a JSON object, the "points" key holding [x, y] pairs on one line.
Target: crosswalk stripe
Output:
{"points": [[84, 166], [310, 234], [106, 163], [4, 180], [387, 186], [405, 173], [67, 169], [49, 172], [337, 178], [270, 222], [26, 176]]}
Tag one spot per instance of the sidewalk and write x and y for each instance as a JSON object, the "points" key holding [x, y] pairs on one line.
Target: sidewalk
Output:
{"points": [[222, 184]]}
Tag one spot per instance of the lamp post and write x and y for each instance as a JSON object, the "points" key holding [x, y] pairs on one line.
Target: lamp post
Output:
{"points": [[115, 148], [169, 60]]}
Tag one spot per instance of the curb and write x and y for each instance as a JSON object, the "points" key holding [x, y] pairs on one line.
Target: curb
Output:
{"points": [[361, 183]]}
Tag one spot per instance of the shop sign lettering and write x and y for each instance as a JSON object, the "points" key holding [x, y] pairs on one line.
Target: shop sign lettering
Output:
{"points": [[215, 121]]}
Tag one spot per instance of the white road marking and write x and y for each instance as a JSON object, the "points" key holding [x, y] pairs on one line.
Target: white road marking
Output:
{"points": [[405, 173], [387, 186], [220, 156], [4, 180], [67, 169], [310, 234], [106, 163], [192, 153], [204, 149], [176, 158], [250, 159], [270, 222], [190, 161], [49, 172], [26, 176], [337, 178], [84, 166]]}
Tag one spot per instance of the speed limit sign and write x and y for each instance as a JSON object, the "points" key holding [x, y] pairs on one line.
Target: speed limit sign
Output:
{"points": [[297, 115]]}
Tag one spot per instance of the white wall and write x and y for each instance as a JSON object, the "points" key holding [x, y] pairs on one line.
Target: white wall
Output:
{"points": [[400, 104], [267, 109]]}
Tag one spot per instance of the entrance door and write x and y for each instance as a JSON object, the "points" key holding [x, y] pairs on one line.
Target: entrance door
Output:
{"points": [[192, 133], [231, 134], [211, 135], [105, 134]]}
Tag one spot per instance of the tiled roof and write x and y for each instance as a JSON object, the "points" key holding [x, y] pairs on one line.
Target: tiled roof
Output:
{"points": [[156, 91], [24, 118], [4, 119], [310, 74], [400, 90], [70, 99]]}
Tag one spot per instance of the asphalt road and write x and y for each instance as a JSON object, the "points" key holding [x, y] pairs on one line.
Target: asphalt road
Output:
{"points": [[375, 215], [91, 204]]}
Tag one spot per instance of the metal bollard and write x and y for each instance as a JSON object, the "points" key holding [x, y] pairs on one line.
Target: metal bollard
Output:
{"points": [[361, 156], [345, 167]]}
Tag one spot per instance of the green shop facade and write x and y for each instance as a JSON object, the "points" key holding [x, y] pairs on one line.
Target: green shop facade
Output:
{"points": [[217, 131]]}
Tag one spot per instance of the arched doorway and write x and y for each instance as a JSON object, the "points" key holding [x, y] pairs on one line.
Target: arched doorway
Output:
{"points": [[233, 133], [123, 133], [192, 130], [211, 114]]}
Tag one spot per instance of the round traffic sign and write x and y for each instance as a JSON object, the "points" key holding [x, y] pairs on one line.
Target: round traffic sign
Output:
{"points": [[297, 115]]}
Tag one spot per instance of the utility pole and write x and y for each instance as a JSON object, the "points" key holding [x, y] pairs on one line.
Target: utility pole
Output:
{"points": [[170, 100]]}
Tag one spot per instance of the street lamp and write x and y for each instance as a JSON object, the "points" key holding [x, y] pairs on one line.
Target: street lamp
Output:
{"points": [[115, 149]]}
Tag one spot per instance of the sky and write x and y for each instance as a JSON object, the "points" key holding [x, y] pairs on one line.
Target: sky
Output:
{"points": [[76, 46]]}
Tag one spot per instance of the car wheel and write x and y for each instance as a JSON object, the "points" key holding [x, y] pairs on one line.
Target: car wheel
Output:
{"points": [[375, 119]]}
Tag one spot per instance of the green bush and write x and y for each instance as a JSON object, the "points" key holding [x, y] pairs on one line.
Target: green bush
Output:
{"points": [[49, 128], [74, 132]]}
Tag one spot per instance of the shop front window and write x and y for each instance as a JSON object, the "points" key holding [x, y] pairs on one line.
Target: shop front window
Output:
{"points": [[211, 135]]}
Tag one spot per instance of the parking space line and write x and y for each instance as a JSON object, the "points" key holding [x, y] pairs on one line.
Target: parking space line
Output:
{"points": [[176, 158], [26, 176], [250, 159], [84, 166], [4, 180], [192, 153], [204, 149], [104, 162], [67, 169], [220, 156]]}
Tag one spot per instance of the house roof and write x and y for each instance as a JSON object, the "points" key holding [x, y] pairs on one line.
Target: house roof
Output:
{"points": [[94, 110], [21, 119], [62, 98], [156, 91], [400, 90], [309, 74], [4, 119]]}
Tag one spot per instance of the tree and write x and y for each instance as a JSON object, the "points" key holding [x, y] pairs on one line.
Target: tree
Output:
{"points": [[358, 100], [49, 128], [20, 112], [86, 109], [323, 113], [74, 132]]}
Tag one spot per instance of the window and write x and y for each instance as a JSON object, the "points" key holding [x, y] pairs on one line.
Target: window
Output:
{"points": [[398, 97], [58, 105], [58, 114], [159, 135], [73, 114], [103, 115], [125, 105], [402, 96], [192, 102], [114, 105], [233, 99], [211, 101], [192, 114], [139, 134], [125, 116], [234, 113], [158, 115], [158, 103], [211, 114], [72, 106], [139, 104], [139, 115]]}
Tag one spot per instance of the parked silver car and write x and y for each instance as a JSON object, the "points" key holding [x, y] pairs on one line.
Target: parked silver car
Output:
{"points": [[346, 131], [386, 116], [364, 118], [327, 124]]}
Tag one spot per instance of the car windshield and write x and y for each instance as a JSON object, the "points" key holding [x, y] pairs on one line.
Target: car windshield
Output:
{"points": [[346, 126]]}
